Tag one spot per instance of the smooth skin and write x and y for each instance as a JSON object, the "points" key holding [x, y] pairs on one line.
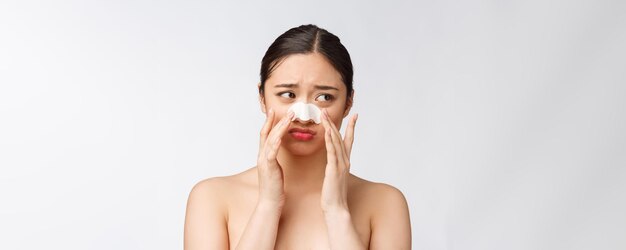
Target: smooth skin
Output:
{"points": [[300, 195]]}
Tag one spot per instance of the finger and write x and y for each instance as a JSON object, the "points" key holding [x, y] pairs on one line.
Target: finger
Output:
{"points": [[330, 148], [330, 152], [269, 120], [331, 123], [328, 124], [327, 127], [279, 130], [325, 122], [271, 154], [338, 145], [348, 139], [272, 145], [335, 132]]}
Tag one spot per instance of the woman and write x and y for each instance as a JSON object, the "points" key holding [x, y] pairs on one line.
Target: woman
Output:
{"points": [[300, 195]]}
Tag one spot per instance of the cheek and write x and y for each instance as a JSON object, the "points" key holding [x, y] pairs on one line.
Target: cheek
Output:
{"points": [[279, 117], [335, 116], [279, 113], [280, 110]]}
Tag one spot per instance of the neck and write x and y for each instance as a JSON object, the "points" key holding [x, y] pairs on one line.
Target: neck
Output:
{"points": [[303, 173]]}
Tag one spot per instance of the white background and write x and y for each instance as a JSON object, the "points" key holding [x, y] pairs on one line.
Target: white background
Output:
{"points": [[501, 121]]}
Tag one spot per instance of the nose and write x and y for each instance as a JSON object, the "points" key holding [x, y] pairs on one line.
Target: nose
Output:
{"points": [[306, 112], [306, 122]]}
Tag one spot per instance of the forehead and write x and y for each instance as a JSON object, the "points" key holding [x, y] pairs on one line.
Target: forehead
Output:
{"points": [[306, 70]]}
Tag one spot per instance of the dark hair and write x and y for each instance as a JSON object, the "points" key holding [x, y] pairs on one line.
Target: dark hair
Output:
{"points": [[307, 39]]}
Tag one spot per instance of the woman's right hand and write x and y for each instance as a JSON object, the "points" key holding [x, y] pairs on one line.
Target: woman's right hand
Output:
{"points": [[271, 189]]}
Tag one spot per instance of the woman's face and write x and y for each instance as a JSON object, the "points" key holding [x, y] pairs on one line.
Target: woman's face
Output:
{"points": [[307, 78]]}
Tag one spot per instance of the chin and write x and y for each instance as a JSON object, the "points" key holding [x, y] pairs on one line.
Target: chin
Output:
{"points": [[303, 149]]}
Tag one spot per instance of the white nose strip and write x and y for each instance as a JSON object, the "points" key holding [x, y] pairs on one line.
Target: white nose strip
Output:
{"points": [[305, 112]]}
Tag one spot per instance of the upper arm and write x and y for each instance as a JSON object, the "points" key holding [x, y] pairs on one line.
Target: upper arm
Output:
{"points": [[391, 226], [205, 218]]}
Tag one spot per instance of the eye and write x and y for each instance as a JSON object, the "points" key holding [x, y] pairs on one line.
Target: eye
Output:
{"points": [[328, 97], [282, 94]]}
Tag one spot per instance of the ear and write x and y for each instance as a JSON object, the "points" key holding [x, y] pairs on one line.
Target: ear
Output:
{"points": [[261, 100], [349, 103]]}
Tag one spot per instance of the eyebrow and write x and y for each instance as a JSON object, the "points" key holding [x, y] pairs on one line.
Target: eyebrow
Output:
{"points": [[295, 85]]}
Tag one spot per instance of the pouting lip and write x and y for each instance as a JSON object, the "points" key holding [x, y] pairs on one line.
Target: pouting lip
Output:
{"points": [[302, 130]]}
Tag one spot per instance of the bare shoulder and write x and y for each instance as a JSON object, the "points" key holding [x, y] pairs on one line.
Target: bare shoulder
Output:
{"points": [[208, 195], [217, 186], [389, 213], [207, 212], [376, 192]]}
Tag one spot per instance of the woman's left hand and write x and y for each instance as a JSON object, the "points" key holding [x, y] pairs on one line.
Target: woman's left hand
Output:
{"points": [[335, 187]]}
